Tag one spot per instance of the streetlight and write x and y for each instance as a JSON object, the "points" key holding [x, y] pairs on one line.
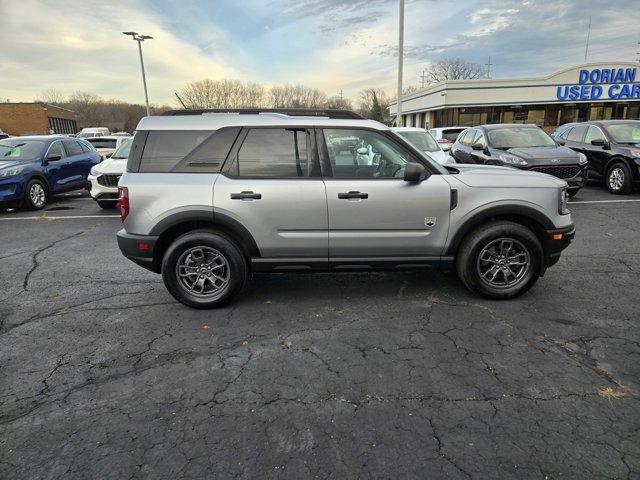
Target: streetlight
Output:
{"points": [[400, 54], [141, 38]]}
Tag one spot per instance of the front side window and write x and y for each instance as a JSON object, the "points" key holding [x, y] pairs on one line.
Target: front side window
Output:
{"points": [[479, 139], [518, 137], [467, 140], [20, 150], [274, 153], [594, 133], [363, 154], [577, 134], [56, 149], [122, 152]]}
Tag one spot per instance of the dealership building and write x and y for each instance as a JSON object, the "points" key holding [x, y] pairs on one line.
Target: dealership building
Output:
{"points": [[593, 91], [36, 118]]}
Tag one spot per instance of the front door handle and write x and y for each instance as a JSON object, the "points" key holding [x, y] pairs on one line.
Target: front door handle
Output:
{"points": [[246, 195], [352, 194]]}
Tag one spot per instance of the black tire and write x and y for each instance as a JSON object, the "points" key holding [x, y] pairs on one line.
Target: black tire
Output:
{"points": [[107, 205], [469, 266], [35, 202], [620, 187], [211, 243]]}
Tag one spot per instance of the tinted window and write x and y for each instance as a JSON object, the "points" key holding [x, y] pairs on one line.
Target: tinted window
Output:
{"points": [[274, 152], [451, 134], [102, 142], [209, 156], [56, 149], [576, 134], [594, 133], [363, 154], [72, 147], [164, 149]]}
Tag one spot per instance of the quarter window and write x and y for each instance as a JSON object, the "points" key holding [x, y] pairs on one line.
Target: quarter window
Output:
{"points": [[363, 154], [274, 153], [165, 148]]}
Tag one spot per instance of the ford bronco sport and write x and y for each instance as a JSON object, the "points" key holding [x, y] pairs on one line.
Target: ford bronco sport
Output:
{"points": [[210, 197]]}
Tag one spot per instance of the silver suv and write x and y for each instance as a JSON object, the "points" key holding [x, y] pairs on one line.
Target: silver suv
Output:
{"points": [[211, 197]]}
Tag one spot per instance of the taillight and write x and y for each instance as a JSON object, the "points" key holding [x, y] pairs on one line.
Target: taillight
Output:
{"points": [[123, 202]]}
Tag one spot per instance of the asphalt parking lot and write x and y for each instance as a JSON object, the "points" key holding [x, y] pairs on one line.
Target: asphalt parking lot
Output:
{"points": [[393, 375]]}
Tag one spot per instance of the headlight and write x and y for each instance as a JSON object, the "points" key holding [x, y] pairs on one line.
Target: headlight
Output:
{"points": [[10, 172], [512, 159], [95, 172], [563, 202], [634, 152], [582, 159]]}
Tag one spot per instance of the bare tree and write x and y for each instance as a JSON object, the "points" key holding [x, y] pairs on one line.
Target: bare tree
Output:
{"points": [[52, 96], [296, 96], [409, 89], [374, 104], [222, 94], [339, 103], [453, 69]]}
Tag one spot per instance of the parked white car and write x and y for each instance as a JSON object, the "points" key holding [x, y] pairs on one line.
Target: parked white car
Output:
{"points": [[446, 136], [106, 145], [422, 140], [104, 176]]}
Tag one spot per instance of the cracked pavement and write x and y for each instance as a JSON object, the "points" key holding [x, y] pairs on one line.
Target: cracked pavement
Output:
{"points": [[390, 375]]}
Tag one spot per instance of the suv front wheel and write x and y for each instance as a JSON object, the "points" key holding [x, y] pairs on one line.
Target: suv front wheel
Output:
{"points": [[500, 260], [203, 269]]}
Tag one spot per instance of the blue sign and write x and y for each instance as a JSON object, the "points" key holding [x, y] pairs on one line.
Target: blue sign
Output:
{"points": [[602, 83]]}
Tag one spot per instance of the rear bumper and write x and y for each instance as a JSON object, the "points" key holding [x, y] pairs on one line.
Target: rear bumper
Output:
{"points": [[556, 241], [139, 249]]}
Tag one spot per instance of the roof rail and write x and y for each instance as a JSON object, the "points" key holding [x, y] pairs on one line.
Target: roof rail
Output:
{"points": [[293, 112]]}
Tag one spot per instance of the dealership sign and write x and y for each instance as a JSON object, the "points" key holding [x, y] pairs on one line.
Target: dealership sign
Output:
{"points": [[602, 83]]}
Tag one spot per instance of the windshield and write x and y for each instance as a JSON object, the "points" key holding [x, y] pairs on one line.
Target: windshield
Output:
{"points": [[517, 137], [625, 132], [20, 150], [123, 150], [421, 140]]}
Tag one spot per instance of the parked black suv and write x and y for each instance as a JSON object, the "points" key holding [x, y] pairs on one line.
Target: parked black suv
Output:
{"points": [[526, 147], [612, 148]]}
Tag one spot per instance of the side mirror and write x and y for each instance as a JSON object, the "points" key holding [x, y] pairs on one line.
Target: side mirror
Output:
{"points": [[599, 142], [415, 172], [477, 146], [54, 157]]}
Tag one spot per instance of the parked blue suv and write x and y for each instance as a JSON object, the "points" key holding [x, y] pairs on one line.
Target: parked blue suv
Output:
{"points": [[34, 168]]}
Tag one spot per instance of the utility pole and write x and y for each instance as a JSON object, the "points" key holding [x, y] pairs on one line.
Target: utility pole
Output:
{"points": [[423, 79], [638, 53], [141, 38], [340, 94], [586, 48], [488, 65], [400, 55]]}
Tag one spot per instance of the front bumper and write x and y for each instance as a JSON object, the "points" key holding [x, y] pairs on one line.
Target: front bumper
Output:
{"points": [[139, 249], [101, 192], [555, 242], [11, 190], [574, 182]]}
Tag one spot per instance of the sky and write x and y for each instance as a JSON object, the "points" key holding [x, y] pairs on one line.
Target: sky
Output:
{"points": [[332, 45]]}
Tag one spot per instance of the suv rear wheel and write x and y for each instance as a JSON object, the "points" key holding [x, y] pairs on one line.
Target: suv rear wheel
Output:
{"points": [[500, 259], [203, 269]]}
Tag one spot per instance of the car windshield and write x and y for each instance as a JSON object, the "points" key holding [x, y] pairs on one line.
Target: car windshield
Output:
{"points": [[20, 150], [517, 137], [123, 150], [625, 132], [421, 140]]}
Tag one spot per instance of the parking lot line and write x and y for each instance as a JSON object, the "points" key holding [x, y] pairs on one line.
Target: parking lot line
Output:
{"points": [[47, 217], [605, 201]]}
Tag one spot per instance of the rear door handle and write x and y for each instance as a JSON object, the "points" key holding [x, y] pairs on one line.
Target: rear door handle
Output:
{"points": [[246, 195], [352, 194]]}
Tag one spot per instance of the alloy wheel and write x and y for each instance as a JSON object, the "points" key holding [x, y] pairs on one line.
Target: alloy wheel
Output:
{"points": [[203, 271], [616, 178], [503, 263], [37, 195]]}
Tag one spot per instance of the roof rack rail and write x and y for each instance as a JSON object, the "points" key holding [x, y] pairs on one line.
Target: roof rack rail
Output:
{"points": [[294, 112]]}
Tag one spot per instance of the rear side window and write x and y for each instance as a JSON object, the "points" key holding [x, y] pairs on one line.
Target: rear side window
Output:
{"points": [[72, 147], [209, 156], [274, 153], [577, 134], [103, 142], [164, 149]]}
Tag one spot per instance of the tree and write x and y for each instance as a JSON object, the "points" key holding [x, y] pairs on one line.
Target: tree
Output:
{"points": [[339, 103], [52, 96], [296, 96], [453, 69], [374, 104], [222, 94]]}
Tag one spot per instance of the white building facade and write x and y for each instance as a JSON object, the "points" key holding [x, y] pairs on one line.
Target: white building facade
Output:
{"points": [[593, 91]]}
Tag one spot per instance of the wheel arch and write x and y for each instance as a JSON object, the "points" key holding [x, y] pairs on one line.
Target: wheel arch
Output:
{"points": [[616, 159], [529, 217], [180, 223], [38, 176]]}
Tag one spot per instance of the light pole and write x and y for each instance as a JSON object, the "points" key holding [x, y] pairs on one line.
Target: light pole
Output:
{"points": [[400, 55], [141, 38]]}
